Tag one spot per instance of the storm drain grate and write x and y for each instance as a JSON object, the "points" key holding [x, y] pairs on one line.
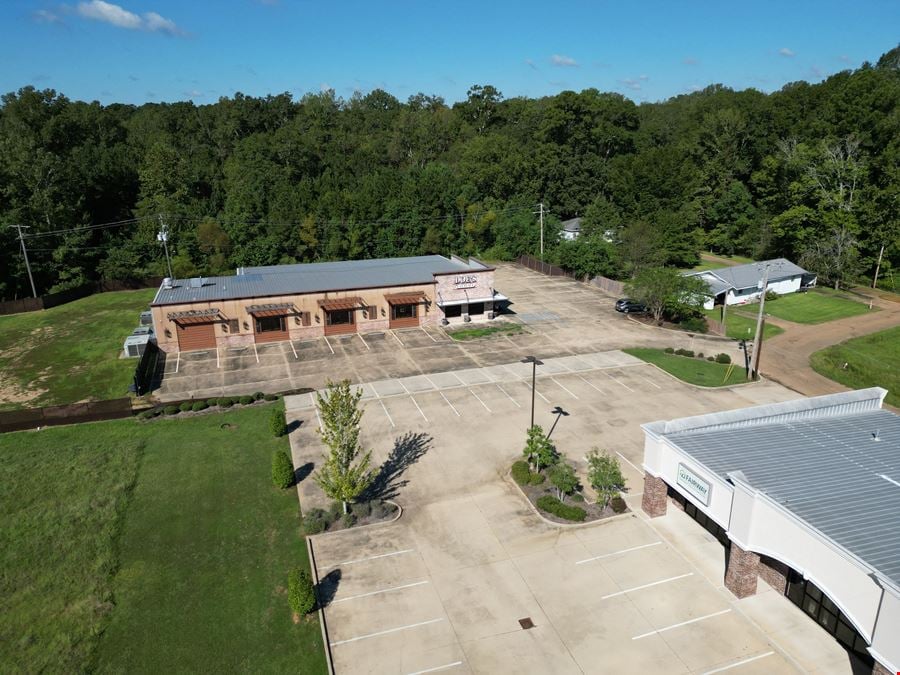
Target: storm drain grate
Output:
{"points": [[526, 623]]}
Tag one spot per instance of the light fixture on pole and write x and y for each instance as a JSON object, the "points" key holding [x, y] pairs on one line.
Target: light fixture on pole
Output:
{"points": [[535, 362], [559, 412]]}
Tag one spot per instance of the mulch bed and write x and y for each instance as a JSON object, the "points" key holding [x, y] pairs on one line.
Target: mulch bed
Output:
{"points": [[377, 512], [593, 511]]}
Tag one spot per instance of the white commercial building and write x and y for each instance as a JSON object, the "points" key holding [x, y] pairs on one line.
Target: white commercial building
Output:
{"points": [[806, 495], [743, 283]]}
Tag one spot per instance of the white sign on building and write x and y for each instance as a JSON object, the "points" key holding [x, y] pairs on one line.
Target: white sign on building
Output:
{"points": [[695, 485]]}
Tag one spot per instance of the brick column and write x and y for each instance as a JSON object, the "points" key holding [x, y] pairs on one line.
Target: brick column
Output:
{"points": [[741, 571], [654, 499]]}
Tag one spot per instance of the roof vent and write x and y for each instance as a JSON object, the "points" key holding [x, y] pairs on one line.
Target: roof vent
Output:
{"points": [[875, 435], [197, 282], [167, 283]]}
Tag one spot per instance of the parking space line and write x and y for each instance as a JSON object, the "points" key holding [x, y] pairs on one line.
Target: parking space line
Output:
{"points": [[374, 557], [418, 408], [619, 383], [447, 401], [178, 359], [319, 417], [390, 419], [563, 388], [396, 337], [479, 400], [364, 342], [386, 632], [678, 625], [528, 384], [591, 384], [374, 392], [436, 668], [256, 352], [218, 363], [384, 590], [458, 379], [624, 550], [291, 343], [738, 663], [649, 381], [650, 585], [312, 400], [428, 334], [403, 385], [508, 396], [629, 462], [325, 337]]}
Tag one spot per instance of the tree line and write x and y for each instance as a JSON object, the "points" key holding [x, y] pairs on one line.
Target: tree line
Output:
{"points": [[810, 172]]}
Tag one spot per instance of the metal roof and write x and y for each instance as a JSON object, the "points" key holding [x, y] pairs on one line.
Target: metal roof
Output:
{"points": [[751, 274], [571, 225], [258, 282], [828, 470]]}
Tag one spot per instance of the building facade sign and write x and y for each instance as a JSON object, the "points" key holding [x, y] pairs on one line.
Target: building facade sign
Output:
{"points": [[696, 486], [465, 281]]}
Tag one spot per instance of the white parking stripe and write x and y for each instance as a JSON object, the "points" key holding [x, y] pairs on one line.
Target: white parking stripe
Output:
{"points": [[624, 550], [648, 380], [428, 334], [528, 384], [738, 663], [375, 557], [178, 359], [390, 419], [385, 590], [479, 400], [591, 384], [508, 396], [683, 623], [437, 668], [447, 401], [254, 351], [319, 417], [418, 408], [650, 585], [312, 400], [403, 385], [329, 344], [563, 388], [629, 463], [386, 632], [364, 342], [397, 338], [291, 343], [619, 383]]}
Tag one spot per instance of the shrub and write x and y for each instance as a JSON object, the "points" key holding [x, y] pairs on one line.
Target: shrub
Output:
{"points": [[688, 352], [258, 396], [301, 594], [348, 519], [361, 509], [245, 400], [199, 405], [618, 504], [694, 324], [212, 401], [186, 406], [521, 473], [537, 479], [149, 414], [270, 397], [381, 510], [225, 402], [277, 422], [605, 475], [577, 497], [669, 350], [552, 505], [171, 410], [700, 355], [282, 470], [335, 511], [315, 521], [771, 295], [710, 358], [723, 358]]}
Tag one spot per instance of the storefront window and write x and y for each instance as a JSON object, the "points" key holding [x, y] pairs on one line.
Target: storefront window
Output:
{"points": [[403, 311], [339, 317], [269, 324], [453, 311], [476, 308]]}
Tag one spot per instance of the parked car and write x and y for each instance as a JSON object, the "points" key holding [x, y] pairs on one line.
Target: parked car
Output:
{"points": [[629, 306]]}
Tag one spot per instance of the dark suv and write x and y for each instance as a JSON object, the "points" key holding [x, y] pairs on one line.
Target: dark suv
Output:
{"points": [[628, 306]]}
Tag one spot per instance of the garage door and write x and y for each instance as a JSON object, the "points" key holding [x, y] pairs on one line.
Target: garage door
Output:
{"points": [[196, 336]]}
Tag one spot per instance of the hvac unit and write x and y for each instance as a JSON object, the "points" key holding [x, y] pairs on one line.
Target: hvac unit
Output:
{"points": [[135, 345], [142, 330], [146, 318]]}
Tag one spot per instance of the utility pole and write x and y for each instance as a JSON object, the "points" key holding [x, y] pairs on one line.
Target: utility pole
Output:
{"points": [[541, 212], [163, 236], [25, 254], [757, 340], [878, 267]]}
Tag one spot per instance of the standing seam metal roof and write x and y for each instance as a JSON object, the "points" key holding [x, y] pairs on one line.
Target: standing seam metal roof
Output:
{"points": [[750, 275], [829, 472]]}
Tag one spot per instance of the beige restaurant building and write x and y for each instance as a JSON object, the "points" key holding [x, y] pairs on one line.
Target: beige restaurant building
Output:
{"points": [[304, 301]]}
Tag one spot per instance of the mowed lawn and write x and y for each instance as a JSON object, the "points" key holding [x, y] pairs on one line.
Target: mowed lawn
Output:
{"points": [[817, 306], [692, 370], [741, 326], [871, 361], [69, 353], [156, 546]]}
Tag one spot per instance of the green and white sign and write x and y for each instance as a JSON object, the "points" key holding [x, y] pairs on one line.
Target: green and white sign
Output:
{"points": [[692, 483]]}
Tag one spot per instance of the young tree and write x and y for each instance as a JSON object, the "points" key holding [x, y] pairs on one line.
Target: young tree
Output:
{"points": [[664, 289], [342, 477], [301, 593], [605, 475], [563, 478], [539, 451], [282, 470]]}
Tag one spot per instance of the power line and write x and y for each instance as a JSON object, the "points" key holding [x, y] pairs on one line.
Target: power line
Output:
{"points": [[90, 228], [25, 253]]}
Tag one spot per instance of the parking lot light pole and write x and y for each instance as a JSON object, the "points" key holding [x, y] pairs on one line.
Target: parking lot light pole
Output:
{"points": [[559, 412], [535, 362]]}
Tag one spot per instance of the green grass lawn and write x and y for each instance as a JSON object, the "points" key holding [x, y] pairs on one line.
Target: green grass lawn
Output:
{"points": [[741, 327], [872, 360], [155, 546], [816, 306], [69, 353], [495, 330], [691, 370]]}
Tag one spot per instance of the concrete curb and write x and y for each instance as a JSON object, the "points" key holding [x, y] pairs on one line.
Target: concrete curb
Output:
{"points": [[320, 611], [383, 523], [620, 516], [705, 336], [702, 387]]}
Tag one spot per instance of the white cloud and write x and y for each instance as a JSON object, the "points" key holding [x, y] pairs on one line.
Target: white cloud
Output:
{"points": [[844, 58], [46, 16], [324, 87], [790, 53], [690, 61], [531, 64], [107, 12], [563, 61], [644, 77], [632, 83]]}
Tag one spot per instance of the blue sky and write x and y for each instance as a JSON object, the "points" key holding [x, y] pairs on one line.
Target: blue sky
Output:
{"points": [[164, 50]]}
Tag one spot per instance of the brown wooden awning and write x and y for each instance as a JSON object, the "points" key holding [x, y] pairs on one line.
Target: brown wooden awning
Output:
{"points": [[405, 298], [274, 309], [330, 304], [195, 316]]}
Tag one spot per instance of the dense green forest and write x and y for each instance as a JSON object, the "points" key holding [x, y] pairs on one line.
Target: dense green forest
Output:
{"points": [[810, 172]]}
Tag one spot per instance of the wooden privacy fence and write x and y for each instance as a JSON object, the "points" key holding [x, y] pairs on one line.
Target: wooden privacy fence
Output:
{"points": [[610, 286], [533, 263], [62, 297], [93, 411]]}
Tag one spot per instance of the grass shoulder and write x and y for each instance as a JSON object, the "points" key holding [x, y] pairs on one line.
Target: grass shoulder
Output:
{"points": [[493, 330], [740, 326], [692, 370], [816, 306], [867, 361]]}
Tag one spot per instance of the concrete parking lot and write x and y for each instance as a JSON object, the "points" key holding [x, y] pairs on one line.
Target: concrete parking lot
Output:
{"points": [[446, 587], [559, 317]]}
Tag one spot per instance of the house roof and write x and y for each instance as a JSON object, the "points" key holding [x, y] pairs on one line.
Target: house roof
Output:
{"points": [[273, 280], [832, 461], [750, 275], [571, 225]]}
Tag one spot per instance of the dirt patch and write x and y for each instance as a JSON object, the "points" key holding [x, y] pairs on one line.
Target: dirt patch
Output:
{"points": [[12, 392]]}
